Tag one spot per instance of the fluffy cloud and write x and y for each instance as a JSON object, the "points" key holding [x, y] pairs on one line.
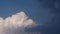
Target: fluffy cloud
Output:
{"points": [[15, 24]]}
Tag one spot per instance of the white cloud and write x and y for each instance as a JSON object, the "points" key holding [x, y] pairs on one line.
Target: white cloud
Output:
{"points": [[16, 22]]}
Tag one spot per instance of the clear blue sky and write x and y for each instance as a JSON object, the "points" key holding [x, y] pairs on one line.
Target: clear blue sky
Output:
{"points": [[30, 7]]}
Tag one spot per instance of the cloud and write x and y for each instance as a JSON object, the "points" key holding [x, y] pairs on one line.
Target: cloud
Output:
{"points": [[15, 24]]}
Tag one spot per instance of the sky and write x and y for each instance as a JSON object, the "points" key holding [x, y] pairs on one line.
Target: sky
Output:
{"points": [[53, 26], [30, 7], [11, 9], [43, 15]]}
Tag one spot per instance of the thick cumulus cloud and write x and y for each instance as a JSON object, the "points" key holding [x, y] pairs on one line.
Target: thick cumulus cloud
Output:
{"points": [[15, 24]]}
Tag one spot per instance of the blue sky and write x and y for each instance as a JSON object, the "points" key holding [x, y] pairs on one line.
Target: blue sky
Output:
{"points": [[30, 7], [35, 11]]}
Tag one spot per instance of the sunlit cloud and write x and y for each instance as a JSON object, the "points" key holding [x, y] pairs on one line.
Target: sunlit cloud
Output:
{"points": [[15, 23]]}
